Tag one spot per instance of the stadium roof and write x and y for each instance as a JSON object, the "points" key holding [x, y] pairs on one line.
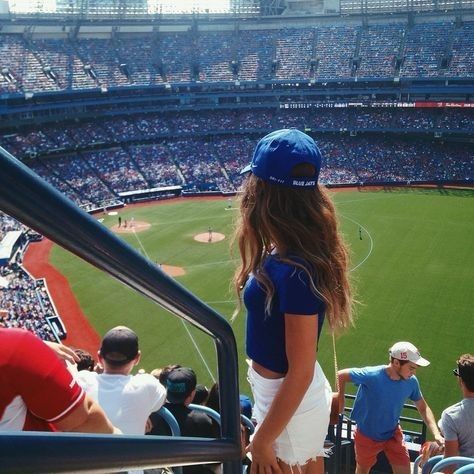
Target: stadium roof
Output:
{"points": [[146, 9]]}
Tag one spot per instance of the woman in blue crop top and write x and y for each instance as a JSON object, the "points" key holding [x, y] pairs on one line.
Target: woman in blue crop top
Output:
{"points": [[293, 275]]}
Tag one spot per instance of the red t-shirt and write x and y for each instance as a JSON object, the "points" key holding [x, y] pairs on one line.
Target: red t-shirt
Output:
{"points": [[35, 387]]}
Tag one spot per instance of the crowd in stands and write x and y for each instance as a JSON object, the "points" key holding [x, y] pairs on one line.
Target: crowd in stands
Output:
{"points": [[153, 162], [171, 124], [104, 67], [214, 59], [256, 51], [429, 41], [462, 51], [176, 56], [8, 224], [294, 47], [335, 49], [48, 174], [66, 67], [92, 162], [24, 301], [116, 169], [338, 51], [142, 60], [379, 48]]}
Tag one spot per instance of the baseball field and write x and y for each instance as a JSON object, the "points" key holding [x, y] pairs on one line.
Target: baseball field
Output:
{"points": [[412, 267]]}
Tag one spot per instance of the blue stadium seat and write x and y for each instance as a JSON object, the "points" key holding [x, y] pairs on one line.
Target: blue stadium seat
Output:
{"points": [[467, 469], [453, 461], [430, 463]]}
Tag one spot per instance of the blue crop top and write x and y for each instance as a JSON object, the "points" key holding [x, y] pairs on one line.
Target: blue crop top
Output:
{"points": [[265, 335]]}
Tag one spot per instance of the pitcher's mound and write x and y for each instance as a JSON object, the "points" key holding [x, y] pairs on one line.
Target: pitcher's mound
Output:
{"points": [[136, 226], [204, 237], [173, 271]]}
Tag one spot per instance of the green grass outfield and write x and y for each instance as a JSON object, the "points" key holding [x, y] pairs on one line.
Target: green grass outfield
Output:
{"points": [[413, 269]]}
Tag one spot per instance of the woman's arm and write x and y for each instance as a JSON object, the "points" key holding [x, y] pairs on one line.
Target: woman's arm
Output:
{"points": [[301, 333]]}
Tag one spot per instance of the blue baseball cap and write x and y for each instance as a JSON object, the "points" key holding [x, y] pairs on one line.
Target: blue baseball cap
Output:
{"points": [[279, 152]]}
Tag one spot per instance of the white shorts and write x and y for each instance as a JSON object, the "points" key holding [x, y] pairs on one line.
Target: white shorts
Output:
{"points": [[302, 440]]}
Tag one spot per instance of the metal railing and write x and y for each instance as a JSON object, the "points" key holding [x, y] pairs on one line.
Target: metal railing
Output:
{"points": [[31, 200]]}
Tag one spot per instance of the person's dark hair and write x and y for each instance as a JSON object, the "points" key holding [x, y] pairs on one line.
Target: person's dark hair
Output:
{"points": [[466, 370], [163, 372], [86, 361], [213, 398], [200, 397], [299, 222]]}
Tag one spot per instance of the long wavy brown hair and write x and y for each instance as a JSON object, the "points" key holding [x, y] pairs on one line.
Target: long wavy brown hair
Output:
{"points": [[295, 222]]}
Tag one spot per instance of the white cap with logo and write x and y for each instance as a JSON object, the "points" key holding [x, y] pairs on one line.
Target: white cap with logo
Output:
{"points": [[407, 351]]}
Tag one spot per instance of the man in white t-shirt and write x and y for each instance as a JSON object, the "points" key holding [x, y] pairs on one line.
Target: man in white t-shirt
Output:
{"points": [[127, 399]]}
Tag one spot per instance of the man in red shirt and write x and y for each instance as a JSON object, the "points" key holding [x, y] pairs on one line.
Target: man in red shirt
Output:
{"points": [[38, 393]]}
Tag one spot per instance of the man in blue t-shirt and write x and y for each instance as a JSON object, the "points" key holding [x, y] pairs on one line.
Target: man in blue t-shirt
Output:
{"points": [[382, 392]]}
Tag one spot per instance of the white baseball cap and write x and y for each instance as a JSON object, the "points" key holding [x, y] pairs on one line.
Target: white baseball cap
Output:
{"points": [[407, 351]]}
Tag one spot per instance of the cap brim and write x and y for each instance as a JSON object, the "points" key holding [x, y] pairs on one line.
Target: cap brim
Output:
{"points": [[422, 362], [117, 361], [247, 169]]}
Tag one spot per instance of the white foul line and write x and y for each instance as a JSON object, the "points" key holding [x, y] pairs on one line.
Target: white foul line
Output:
{"points": [[370, 238], [182, 321]]}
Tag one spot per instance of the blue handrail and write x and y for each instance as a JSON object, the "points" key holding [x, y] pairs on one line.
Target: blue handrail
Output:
{"points": [[37, 204], [248, 423], [428, 465], [216, 417], [170, 420], [452, 462], [174, 427], [208, 411], [467, 469]]}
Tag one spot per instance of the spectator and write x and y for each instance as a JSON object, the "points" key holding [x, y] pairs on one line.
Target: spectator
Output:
{"points": [[457, 421], [293, 274], [162, 373], [127, 399], [181, 388], [213, 402], [200, 397], [38, 393], [382, 392]]}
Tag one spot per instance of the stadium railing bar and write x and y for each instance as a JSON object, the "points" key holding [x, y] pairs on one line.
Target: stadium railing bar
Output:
{"points": [[26, 197]]}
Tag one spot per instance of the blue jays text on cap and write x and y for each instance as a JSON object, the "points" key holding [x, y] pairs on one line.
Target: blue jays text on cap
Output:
{"points": [[279, 152]]}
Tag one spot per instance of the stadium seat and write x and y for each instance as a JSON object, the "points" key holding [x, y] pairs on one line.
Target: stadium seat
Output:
{"points": [[171, 420], [467, 469], [459, 461]]}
